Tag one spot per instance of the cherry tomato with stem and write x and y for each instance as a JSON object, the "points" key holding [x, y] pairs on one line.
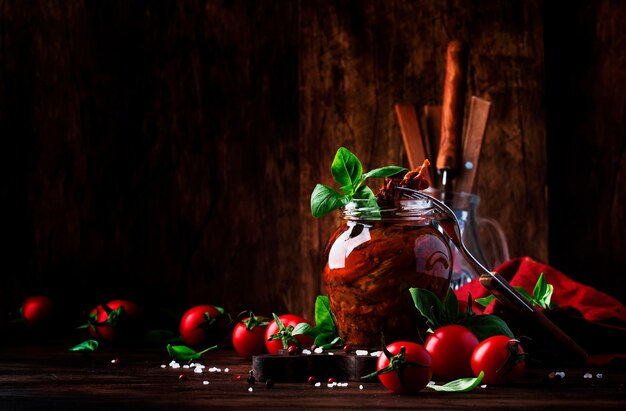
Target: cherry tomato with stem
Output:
{"points": [[203, 325], [501, 358], [278, 335], [404, 367], [115, 321], [249, 336], [451, 348]]}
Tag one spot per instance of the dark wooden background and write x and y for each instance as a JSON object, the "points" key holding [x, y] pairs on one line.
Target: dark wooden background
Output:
{"points": [[164, 151]]}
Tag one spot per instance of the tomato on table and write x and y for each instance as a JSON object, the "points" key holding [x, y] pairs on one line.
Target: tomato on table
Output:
{"points": [[114, 321], [404, 367], [451, 348], [289, 321], [37, 310], [249, 336], [501, 358], [203, 325]]}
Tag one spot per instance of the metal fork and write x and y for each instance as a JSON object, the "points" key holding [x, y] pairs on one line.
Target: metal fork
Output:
{"points": [[494, 282], [450, 226]]}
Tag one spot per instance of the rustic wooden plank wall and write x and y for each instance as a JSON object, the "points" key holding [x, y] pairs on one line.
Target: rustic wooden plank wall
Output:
{"points": [[165, 151]]}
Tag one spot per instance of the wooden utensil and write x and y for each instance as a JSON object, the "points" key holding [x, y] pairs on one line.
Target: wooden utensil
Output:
{"points": [[473, 137], [414, 141], [452, 112]]}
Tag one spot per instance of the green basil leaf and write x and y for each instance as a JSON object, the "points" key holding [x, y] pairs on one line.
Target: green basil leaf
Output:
{"points": [[364, 192], [485, 301], [85, 346], [542, 292], [347, 170], [460, 385], [326, 341], [429, 305], [306, 329], [485, 326], [324, 320], [451, 305], [384, 172], [325, 199], [182, 352]]}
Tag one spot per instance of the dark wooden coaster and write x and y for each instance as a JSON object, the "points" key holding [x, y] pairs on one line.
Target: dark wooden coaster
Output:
{"points": [[298, 368]]}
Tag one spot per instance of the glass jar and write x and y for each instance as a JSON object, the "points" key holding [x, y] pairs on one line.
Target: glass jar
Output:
{"points": [[373, 259], [483, 237]]}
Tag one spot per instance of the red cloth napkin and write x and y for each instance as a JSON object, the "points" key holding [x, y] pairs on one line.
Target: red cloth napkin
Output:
{"points": [[592, 318]]}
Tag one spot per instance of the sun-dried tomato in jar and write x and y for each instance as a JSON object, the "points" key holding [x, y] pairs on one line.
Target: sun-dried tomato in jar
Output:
{"points": [[375, 256]]}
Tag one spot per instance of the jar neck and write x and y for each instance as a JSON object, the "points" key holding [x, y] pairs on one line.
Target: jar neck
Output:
{"points": [[400, 210]]}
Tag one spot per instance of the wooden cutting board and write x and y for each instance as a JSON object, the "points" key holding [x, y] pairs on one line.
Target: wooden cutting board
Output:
{"points": [[298, 368]]}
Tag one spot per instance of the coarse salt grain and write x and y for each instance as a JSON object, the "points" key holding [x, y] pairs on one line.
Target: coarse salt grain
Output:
{"points": [[318, 384], [362, 352], [331, 353], [560, 374], [163, 366], [331, 385], [226, 370], [175, 365], [376, 353], [483, 386], [307, 352], [588, 375], [360, 386], [197, 370], [599, 375], [185, 366], [250, 389], [205, 382], [318, 350]]}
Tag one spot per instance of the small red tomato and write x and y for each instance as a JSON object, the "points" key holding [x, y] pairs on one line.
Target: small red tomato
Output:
{"points": [[451, 348], [287, 320], [36, 310], [203, 325], [501, 358], [413, 370], [249, 336], [114, 321]]}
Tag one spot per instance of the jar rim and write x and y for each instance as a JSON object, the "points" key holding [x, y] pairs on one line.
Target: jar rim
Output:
{"points": [[401, 209]]}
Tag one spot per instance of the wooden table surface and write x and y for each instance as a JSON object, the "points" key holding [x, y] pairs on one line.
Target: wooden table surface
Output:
{"points": [[49, 377]]}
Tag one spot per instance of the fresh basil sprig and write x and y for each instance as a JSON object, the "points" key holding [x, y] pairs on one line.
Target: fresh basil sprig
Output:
{"points": [[347, 171], [460, 385], [438, 314], [85, 346], [541, 296], [182, 352], [325, 332]]}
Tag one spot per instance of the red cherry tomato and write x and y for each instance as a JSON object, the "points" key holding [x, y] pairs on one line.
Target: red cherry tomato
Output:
{"points": [[451, 348], [249, 336], [36, 310], [117, 321], [501, 358], [203, 325], [287, 319], [413, 377]]}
